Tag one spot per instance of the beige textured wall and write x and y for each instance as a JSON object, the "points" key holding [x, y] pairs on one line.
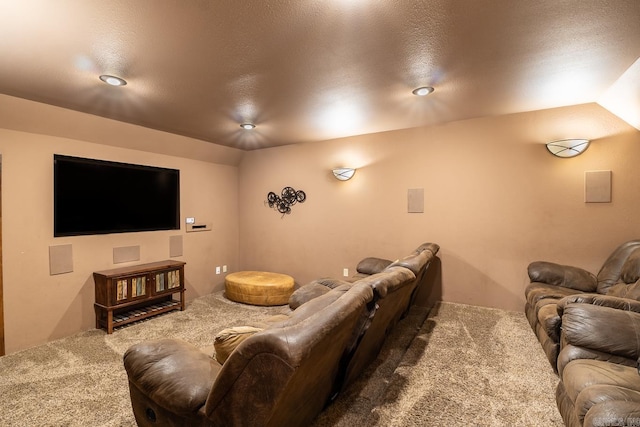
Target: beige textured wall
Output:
{"points": [[495, 200], [39, 307]]}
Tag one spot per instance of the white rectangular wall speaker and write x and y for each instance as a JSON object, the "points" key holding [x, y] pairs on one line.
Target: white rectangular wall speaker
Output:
{"points": [[126, 254], [60, 259], [415, 200], [597, 187], [175, 246]]}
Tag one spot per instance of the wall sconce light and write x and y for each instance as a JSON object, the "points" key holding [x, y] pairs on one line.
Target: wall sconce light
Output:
{"points": [[344, 174], [567, 147]]}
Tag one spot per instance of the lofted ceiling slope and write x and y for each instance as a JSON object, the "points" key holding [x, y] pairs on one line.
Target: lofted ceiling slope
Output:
{"points": [[314, 69]]}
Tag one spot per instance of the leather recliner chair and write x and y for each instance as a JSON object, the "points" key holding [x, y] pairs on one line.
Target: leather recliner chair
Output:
{"points": [[550, 282]]}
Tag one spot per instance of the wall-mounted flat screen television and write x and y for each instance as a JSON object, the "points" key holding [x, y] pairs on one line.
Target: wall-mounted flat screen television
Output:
{"points": [[99, 197]]}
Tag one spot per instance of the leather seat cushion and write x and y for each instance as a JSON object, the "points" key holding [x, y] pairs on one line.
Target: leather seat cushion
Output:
{"points": [[536, 291], [589, 382], [624, 290], [306, 293], [313, 290]]}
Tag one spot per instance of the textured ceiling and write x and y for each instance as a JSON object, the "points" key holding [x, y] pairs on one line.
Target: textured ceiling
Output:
{"points": [[313, 69]]}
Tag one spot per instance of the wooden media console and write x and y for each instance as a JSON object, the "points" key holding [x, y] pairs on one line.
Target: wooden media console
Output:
{"points": [[130, 294]]}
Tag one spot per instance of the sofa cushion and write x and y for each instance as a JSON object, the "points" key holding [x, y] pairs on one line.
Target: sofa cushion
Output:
{"points": [[537, 291], [591, 382], [622, 290], [415, 262], [228, 339], [313, 290], [631, 268], [330, 282], [271, 321], [611, 270], [548, 317], [562, 276], [372, 265], [306, 293]]}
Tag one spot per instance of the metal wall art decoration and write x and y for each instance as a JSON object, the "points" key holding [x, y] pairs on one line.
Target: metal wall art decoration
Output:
{"points": [[287, 198]]}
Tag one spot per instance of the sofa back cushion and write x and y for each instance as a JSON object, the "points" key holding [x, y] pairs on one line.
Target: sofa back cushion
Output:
{"points": [[565, 276], [431, 247], [415, 262], [611, 270], [631, 268]]}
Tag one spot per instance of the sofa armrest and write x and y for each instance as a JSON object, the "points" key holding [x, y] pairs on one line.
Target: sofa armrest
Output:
{"points": [[610, 301], [173, 373], [562, 275], [570, 353], [606, 333]]}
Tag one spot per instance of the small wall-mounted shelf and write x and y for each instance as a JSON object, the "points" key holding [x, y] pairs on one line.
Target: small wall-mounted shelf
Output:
{"points": [[130, 294]]}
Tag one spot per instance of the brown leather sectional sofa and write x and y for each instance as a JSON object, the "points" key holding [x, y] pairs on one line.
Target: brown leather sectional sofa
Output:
{"points": [[589, 326], [286, 373], [550, 282]]}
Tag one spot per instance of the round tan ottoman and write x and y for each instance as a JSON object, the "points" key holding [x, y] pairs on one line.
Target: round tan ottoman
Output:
{"points": [[258, 287]]}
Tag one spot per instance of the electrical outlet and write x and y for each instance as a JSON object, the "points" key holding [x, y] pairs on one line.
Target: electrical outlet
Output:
{"points": [[345, 272], [218, 270], [224, 268]]}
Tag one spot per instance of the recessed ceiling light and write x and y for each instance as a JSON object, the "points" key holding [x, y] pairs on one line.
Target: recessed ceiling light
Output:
{"points": [[422, 91], [113, 80], [247, 126]]}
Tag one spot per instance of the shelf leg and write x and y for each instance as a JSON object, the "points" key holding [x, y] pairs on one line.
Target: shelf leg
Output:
{"points": [[109, 322]]}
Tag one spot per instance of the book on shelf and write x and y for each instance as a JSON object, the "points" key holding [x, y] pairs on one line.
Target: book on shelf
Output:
{"points": [[159, 282], [174, 279], [138, 286], [121, 289]]}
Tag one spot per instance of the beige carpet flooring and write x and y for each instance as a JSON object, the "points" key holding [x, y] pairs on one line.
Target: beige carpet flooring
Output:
{"points": [[463, 366]]}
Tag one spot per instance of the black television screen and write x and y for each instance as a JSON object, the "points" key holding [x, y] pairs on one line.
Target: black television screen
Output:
{"points": [[100, 197]]}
